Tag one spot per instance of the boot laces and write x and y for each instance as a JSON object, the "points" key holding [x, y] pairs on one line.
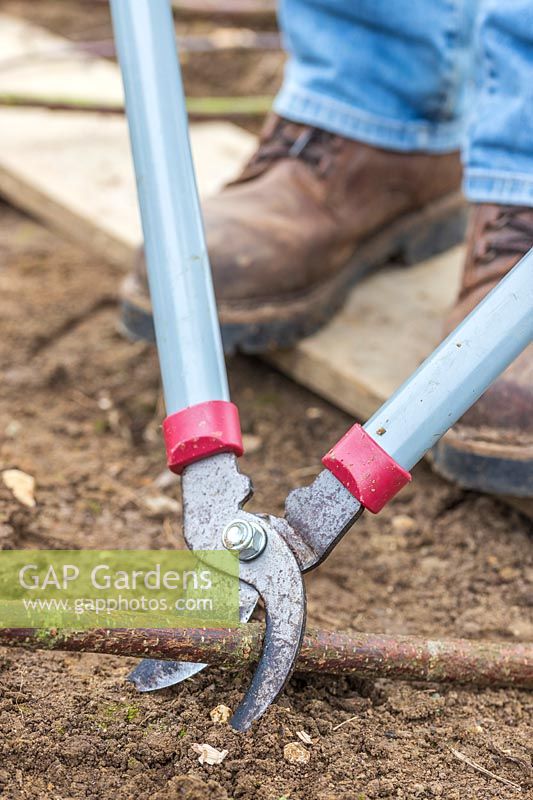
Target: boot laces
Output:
{"points": [[313, 146], [510, 234]]}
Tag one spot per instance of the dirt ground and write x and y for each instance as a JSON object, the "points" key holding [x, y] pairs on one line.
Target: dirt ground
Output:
{"points": [[80, 410]]}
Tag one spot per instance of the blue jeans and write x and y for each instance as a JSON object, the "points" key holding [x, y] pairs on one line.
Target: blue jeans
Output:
{"points": [[426, 75]]}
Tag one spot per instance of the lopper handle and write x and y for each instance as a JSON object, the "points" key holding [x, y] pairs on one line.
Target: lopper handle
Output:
{"points": [[373, 461], [185, 316]]}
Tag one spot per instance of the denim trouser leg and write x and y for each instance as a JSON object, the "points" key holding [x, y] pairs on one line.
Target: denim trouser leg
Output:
{"points": [[396, 74], [387, 72], [499, 150]]}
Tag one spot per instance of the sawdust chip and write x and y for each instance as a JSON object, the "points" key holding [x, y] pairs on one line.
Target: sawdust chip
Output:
{"points": [[21, 485], [209, 755], [295, 753], [220, 714], [304, 737]]}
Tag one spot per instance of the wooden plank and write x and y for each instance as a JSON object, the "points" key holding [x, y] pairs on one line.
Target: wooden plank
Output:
{"points": [[74, 172], [253, 10], [38, 64], [389, 324]]}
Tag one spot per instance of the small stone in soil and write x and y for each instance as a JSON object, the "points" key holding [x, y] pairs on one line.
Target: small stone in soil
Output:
{"points": [[12, 429], [220, 714], [296, 753]]}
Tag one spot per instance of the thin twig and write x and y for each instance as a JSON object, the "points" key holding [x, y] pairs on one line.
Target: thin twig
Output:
{"points": [[524, 764], [346, 721], [479, 768]]}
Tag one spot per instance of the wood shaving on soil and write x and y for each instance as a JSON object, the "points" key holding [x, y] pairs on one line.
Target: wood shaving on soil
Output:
{"points": [[209, 755], [21, 485]]}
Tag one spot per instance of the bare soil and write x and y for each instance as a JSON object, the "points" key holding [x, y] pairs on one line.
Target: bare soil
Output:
{"points": [[80, 410]]}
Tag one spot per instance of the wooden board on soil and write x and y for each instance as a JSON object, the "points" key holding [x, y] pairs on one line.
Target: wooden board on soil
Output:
{"points": [[74, 171]]}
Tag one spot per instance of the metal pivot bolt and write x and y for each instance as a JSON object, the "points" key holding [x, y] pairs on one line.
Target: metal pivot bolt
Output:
{"points": [[247, 538]]}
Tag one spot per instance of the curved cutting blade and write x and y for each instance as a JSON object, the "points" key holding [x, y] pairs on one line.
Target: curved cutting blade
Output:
{"points": [[275, 574]]}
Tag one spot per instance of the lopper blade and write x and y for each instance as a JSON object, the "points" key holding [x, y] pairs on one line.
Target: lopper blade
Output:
{"points": [[276, 575], [150, 674]]}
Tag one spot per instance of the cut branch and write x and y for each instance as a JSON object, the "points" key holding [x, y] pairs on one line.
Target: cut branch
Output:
{"points": [[198, 107], [369, 655]]}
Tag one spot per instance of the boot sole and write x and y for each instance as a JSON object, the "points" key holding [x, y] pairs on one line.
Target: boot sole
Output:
{"points": [[483, 466], [275, 323]]}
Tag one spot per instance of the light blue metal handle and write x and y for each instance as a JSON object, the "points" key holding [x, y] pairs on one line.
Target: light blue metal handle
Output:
{"points": [[459, 371], [183, 301]]}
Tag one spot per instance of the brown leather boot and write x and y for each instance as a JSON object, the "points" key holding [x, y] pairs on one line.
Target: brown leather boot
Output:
{"points": [[309, 216], [491, 448]]}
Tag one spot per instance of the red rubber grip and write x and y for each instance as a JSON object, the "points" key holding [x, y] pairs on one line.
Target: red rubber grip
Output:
{"points": [[201, 431], [365, 469]]}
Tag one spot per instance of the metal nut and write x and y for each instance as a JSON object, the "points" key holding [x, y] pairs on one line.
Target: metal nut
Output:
{"points": [[248, 538]]}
